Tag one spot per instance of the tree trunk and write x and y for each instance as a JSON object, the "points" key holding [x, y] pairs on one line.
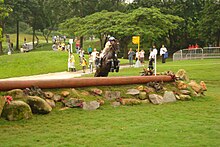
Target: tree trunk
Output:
{"points": [[218, 38], [1, 26], [124, 46], [81, 42], [1, 50], [17, 40], [33, 37]]}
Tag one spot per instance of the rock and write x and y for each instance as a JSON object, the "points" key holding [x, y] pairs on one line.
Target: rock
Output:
{"points": [[184, 97], [156, 99], [57, 98], [2, 103], [93, 105], [169, 97], [38, 105], [181, 85], [149, 89], [142, 95], [112, 95], [196, 87], [177, 97], [186, 92], [181, 74], [101, 102], [96, 91], [51, 103], [203, 85], [133, 91], [141, 88], [48, 95], [64, 108], [16, 93], [129, 101], [65, 93], [16, 110], [85, 93], [73, 103], [146, 101], [75, 92], [115, 104]]}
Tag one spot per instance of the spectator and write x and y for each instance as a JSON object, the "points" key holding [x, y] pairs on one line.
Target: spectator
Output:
{"points": [[137, 55], [163, 51], [131, 54], [84, 63], [142, 56], [89, 50], [81, 55], [54, 46], [71, 63], [196, 46], [94, 53], [90, 63]]}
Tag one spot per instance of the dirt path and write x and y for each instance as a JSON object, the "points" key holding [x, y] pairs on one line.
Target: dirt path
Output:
{"points": [[57, 75]]}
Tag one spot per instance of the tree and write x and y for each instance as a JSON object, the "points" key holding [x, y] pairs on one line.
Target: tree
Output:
{"points": [[209, 25], [4, 12], [146, 22]]}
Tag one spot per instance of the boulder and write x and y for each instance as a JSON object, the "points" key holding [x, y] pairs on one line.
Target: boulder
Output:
{"points": [[38, 105], [101, 102], [181, 74], [203, 85], [129, 101], [186, 92], [181, 85], [196, 87], [133, 91], [112, 95], [169, 97], [65, 93], [57, 98], [149, 89], [96, 91], [156, 99], [16, 110], [51, 103], [73, 103], [146, 101], [16, 93], [93, 105], [115, 104], [142, 95], [2, 103], [184, 97], [48, 95], [140, 88]]}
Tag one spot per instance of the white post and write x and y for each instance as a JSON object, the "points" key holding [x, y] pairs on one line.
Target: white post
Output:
{"points": [[155, 63]]}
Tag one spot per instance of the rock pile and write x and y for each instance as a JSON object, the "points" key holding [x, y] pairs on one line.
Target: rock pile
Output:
{"points": [[22, 104]]}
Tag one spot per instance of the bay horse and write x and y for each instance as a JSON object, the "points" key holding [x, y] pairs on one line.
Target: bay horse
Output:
{"points": [[109, 62]]}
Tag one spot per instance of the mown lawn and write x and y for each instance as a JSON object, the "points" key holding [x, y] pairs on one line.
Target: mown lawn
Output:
{"points": [[184, 123], [37, 62]]}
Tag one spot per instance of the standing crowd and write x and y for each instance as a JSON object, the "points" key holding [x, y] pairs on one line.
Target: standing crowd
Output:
{"points": [[140, 55]]}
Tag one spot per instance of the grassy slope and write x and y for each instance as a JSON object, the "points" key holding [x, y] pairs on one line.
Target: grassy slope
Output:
{"points": [[189, 123], [35, 62]]}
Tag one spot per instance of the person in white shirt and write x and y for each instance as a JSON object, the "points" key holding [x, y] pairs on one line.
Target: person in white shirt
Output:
{"points": [[153, 54], [94, 53], [163, 50], [142, 56]]}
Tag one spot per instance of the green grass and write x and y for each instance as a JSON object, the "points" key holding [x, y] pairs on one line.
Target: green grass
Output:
{"points": [[36, 62], [184, 123]]}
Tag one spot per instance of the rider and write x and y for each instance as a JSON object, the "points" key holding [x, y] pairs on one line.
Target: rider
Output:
{"points": [[108, 44]]}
